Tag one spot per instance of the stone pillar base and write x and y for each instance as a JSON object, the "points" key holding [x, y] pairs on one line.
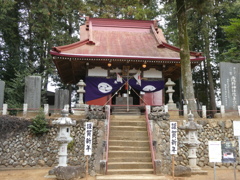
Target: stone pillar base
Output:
{"points": [[173, 114], [80, 109], [197, 170], [78, 112], [69, 172], [173, 110]]}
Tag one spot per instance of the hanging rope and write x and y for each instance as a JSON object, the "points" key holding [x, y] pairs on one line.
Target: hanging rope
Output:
{"points": [[138, 95], [126, 82], [114, 94]]}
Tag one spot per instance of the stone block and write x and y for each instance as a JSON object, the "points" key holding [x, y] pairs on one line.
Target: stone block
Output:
{"points": [[202, 122], [158, 166], [228, 123], [182, 171], [32, 92], [49, 163], [213, 123], [41, 163], [68, 172], [103, 167]]}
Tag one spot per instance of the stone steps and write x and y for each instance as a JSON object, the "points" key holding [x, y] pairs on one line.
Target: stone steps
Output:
{"points": [[128, 123], [129, 117], [129, 148], [130, 142], [122, 110], [130, 171], [126, 138], [131, 177], [128, 133], [130, 159], [128, 128], [113, 154], [129, 151], [129, 165]]}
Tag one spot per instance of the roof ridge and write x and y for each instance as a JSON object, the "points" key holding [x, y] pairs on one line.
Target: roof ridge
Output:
{"points": [[90, 34], [70, 46], [155, 35], [169, 46], [115, 19], [120, 23]]}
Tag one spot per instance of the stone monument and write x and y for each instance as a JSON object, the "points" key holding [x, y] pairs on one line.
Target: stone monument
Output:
{"points": [[230, 89], [2, 87], [32, 93], [191, 141], [61, 99]]}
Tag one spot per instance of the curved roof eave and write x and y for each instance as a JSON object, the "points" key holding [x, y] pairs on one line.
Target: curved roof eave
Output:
{"points": [[54, 53]]}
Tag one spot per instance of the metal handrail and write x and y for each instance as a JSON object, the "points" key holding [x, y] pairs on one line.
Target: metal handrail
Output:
{"points": [[107, 135], [150, 140]]}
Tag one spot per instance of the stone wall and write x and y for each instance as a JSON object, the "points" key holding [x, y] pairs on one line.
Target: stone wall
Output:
{"points": [[24, 149], [213, 130]]}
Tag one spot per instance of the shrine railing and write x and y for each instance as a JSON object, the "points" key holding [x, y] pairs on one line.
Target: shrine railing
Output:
{"points": [[108, 131], [104, 162], [147, 111]]}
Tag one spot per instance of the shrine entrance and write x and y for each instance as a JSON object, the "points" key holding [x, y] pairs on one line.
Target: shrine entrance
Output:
{"points": [[120, 97]]}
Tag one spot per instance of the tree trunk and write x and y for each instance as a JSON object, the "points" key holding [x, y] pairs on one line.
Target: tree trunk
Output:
{"points": [[210, 80], [209, 72], [70, 98], [211, 87], [185, 58]]}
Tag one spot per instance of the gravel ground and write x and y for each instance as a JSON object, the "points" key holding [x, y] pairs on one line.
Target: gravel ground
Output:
{"points": [[41, 174]]}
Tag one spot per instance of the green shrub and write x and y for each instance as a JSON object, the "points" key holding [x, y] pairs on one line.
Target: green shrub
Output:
{"points": [[39, 124], [71, 145]]}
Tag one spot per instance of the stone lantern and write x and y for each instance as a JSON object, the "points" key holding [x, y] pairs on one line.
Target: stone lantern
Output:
{"points": [[80, 106], [81, 91], [171, 104], [170, 90], [191, 141], [63, 136]]}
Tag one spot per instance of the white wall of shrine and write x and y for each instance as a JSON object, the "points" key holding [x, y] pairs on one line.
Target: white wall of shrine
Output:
{"points": [[98, 71], [152, 73]]}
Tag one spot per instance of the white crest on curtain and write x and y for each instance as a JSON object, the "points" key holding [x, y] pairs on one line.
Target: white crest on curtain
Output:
{"points": [[138, 78]]}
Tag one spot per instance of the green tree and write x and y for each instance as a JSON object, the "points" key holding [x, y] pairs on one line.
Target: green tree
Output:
{"points": [[123, 9], [15, 89], [205, 19], [36, 26], [181, 8], [39, 124], [232, 33], [10, 51]]}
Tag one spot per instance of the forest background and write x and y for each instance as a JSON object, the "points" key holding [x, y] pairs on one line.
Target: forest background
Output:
{"points": [[30, 28]]}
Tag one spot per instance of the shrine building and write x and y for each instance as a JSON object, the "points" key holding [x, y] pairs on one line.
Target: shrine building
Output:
{"points": [[120, 58]]}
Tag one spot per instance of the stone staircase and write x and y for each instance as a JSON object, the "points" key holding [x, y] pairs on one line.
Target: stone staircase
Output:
{"points": [[122, 110], [129, 154]]}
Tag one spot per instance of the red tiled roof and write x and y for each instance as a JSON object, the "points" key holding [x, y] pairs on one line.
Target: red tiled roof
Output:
{"points": [[121, 38], [124, 42]]}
